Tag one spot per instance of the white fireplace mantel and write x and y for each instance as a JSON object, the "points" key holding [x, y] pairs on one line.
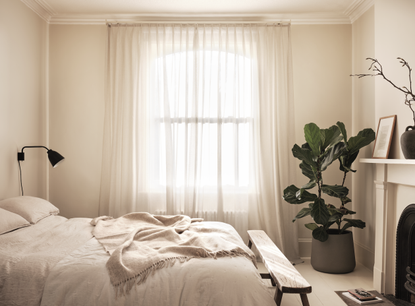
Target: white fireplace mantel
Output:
{"points": [[388, 171]]}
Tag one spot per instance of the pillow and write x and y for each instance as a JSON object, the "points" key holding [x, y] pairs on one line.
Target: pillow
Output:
{"points": [[31, 208], [10, 221]]}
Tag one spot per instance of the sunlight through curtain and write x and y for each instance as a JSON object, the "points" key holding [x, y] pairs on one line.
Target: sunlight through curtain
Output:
{"points": [[199, 121]]}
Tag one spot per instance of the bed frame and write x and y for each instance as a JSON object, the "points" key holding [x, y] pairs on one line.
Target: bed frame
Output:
{"points": [[282, 273]]}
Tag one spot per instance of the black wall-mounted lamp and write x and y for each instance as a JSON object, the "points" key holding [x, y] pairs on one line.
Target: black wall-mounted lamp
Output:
{"points": [[54, 157]]}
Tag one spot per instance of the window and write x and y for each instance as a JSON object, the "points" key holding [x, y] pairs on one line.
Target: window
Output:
{"points": [[202, 118]]}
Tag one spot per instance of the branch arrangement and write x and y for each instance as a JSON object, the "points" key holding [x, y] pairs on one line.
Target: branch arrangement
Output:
{"points": [[377, 68]]}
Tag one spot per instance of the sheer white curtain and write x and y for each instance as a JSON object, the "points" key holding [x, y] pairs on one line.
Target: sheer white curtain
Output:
{"points": [[199, 121]]}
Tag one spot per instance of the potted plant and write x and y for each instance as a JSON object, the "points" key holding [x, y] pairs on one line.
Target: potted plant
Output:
{"points": [[408, 137], [322, 148]]}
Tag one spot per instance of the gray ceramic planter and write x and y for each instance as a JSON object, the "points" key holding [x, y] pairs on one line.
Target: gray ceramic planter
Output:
{"points": [[335, 255]]}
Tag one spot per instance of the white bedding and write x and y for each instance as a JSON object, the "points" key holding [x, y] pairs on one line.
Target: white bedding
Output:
{"points": [[27, 255], [80, 278]]}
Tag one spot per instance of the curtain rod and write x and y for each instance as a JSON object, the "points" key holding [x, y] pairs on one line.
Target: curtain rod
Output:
{"points": [[242, 23]]}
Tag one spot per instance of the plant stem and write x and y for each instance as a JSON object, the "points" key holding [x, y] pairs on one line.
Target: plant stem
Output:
{"points": [[340, 220], [319, 178], [344, 178]]}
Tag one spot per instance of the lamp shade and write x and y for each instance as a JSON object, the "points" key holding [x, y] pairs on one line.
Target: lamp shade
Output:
{"points": [[55, 158]]}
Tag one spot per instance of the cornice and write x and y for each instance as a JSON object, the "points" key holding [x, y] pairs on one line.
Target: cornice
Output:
{"points": [[38, 8], [223, 18], [356, 9]]}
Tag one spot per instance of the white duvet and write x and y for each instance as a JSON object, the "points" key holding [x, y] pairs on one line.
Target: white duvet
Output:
{"points": [[81, 278], [28, 255]]}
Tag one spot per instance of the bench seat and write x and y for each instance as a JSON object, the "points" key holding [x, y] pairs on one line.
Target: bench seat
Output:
{"points": [[283, 275]]}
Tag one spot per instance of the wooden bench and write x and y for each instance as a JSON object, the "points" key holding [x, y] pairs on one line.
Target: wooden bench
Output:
{"points": [[283, 275]]}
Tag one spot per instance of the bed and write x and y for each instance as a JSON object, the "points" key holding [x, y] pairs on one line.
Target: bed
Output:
{"points": [[46, 259]]}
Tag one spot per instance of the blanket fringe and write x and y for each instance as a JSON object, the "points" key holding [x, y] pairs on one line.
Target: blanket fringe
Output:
{"points": [[124, 287]]}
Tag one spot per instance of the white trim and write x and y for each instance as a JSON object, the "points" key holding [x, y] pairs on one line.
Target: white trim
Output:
{"points": [[78, 21], [305, 21], [352, 7], [364, 255], [358, 8], [38, 9], [304, 245], [46, 7], [47, 13], [387, 161], [388, 173], [47, 104], [224, 18], [364, 247]]}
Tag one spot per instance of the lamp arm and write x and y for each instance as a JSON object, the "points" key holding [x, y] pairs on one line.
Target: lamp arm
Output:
{"points": [[34, 147], [20, 155]]}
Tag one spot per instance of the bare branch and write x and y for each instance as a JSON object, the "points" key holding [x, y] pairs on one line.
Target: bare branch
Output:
{"points": [[405, 63], [377, 68]]}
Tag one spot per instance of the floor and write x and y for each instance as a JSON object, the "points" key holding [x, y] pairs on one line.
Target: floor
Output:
{"points": [[324, 285]]}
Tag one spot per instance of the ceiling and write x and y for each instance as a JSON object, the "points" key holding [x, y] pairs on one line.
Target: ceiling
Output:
{"points": [[101, 11]]}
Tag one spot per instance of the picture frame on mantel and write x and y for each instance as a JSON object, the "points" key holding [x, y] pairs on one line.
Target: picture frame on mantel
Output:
{"points": [[384, 135]]}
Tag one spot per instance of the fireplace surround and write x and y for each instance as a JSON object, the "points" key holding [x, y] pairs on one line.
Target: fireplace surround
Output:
{"points": [[388, 174]]}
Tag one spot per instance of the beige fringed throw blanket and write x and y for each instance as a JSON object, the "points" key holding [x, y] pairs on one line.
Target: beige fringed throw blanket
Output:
{"points": [[141, 243]]}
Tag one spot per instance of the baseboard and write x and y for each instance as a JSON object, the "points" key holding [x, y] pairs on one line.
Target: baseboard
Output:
{"points": [[304, 247], [364, 255]]}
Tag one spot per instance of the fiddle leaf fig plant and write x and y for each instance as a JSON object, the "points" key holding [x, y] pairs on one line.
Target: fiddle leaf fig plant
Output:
{"points": [[322, 148]]}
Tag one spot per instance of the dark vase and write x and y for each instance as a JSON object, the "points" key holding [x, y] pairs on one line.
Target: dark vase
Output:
{"points": [[335, 255], [408, 142]]}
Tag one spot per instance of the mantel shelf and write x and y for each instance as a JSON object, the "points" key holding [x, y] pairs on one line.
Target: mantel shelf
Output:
{"points": [[387, 161]]}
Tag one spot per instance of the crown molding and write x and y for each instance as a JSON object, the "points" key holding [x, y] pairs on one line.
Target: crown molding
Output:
{"points": [[38, 8], [47, 7], [215, 18], [358, 8], [41, 8]]}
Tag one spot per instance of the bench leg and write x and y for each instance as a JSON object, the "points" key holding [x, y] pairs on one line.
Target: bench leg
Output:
{"points": [[304, 299], [268, 276], [278, 296]]}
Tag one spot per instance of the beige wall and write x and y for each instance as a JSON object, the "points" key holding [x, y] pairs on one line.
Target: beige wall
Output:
{"points": [[77, 63], [322, 64], [364, 117], [23, 118]]}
